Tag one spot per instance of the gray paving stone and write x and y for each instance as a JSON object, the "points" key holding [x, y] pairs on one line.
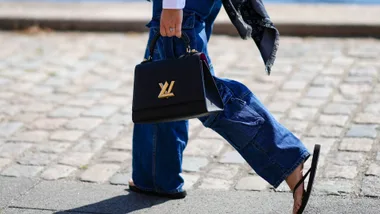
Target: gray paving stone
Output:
{"points": [[65, 135], [370, 186], [335, 187], [279, 106], [89, 145], [363, 71], [232, 157], [82, 123], [326, 81], [369, 131], [115, 157], [367, 118], [55, 98], [124, 143], [294, 125], [35, 136], [326, 143], [303, 113], [13, 150], [204, 147], [71, 90], [99, 173], [354, 89], [373, 169], [100, 111], [115, 100], [21, 171], [348, 98], [92, 95], [36, 158], [10, 110], [8, 128], [223, 171], [52, 147], [48, 123], [333, 70], [373, 108], [338, 108], [342, 61], [252, 183], [207, 133], [348, 158], [307, 102], [190, 180], [294, 85], [57, 172], [120, 119], [214, 183], [356, 144], [325, 131], [121, 178], [106, 132], [378, 156], [287, 96], [334, 120], [336, 171], [77, 159], [80, 102], [67, 112], [319, 92], [360, 80], [4, 162], [106, 85], [40, 91], [194, 164]]}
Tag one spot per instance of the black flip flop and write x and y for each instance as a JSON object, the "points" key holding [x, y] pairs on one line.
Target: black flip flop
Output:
{"points": [[178, 195], [312, 171]]}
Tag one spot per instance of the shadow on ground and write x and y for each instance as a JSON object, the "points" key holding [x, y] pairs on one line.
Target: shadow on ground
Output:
{"points": [[118, 204]]}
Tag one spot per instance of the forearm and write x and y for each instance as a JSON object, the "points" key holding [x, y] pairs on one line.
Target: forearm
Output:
{"points": [[173, 4]]}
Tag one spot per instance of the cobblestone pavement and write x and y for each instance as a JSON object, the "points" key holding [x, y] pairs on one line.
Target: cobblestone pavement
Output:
{"points": [[65, 109]]}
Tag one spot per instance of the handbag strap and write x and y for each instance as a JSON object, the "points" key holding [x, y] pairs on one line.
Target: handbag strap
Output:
{"points": [[185, 38]]}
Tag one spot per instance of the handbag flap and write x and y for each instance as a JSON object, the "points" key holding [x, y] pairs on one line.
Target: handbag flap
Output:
{"points": [[168, 82]]}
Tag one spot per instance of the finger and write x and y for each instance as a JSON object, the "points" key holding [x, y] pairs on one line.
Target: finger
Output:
{"points": [[178, 30], [162, 30]]}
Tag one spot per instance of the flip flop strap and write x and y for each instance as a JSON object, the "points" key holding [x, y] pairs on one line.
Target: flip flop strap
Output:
{"points": [[301, 181]]}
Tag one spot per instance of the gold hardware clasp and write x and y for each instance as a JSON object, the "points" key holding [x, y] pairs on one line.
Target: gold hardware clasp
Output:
{"points": [[166, 93]]}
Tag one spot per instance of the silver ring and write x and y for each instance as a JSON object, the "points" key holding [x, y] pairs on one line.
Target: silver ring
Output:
{"points": [[171, 29]]}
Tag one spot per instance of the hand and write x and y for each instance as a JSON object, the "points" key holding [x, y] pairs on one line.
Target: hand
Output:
{"points": [[171, 22]]}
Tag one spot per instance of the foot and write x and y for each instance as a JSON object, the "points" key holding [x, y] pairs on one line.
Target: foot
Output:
{"points": [[292, 181]]}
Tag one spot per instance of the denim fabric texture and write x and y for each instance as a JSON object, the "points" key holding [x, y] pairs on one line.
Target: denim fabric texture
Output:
{"points": [[267, 146]]}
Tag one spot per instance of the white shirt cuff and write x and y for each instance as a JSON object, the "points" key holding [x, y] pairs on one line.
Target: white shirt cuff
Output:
{"points": [[173, 4]]}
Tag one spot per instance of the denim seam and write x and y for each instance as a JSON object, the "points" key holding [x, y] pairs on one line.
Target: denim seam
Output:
{"points": [[305, 155]]}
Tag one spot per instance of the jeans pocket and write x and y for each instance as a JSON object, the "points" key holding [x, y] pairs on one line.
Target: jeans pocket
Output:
{"points": [[238, 123]]}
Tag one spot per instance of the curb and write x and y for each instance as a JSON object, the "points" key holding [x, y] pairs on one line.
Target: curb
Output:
{"points": [[338, 20]]}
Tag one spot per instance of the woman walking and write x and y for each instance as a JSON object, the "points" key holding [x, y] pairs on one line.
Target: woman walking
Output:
{"points": [[268, 147]]}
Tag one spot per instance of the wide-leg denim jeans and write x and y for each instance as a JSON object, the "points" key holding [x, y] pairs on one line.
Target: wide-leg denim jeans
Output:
{"points": [[267, 146]]}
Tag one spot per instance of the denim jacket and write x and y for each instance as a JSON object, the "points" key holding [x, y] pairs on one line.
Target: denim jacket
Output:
{"points": [[252, 20]]}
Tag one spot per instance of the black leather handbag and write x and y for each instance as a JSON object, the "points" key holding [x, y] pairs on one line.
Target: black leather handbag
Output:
{"points": [[174, 89]]}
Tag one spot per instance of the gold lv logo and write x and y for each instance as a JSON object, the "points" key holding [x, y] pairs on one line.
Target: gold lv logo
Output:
{"points": [[165, 92]]}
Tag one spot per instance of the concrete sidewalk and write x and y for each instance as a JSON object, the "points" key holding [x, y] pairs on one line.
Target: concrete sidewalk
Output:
{"points": [[290, 19], [64, 197]]}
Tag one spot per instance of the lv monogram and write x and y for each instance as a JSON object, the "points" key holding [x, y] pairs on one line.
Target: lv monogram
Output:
{"points": [[165, 92]]}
